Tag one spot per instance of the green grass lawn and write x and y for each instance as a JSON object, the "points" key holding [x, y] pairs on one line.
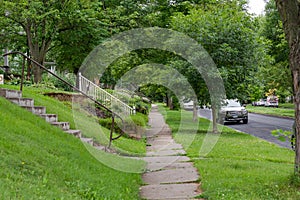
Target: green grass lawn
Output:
{"points": [[287, 105], [239, 166], [284, 110], [39, 161]]}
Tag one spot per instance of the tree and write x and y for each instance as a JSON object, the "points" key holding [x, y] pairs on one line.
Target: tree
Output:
{"points": [[276, 73], [290, 11], [226, 33], [42, 21], [11, 37], [79, 36], [273, 31]]}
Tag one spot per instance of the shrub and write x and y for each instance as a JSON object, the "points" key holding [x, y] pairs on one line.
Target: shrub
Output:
{"points": [[140, 105], [134, 124], [51, 80], [17, 81]]}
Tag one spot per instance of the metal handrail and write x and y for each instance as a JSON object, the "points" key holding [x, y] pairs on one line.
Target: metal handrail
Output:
{"points": [[111, 138], [99, 93]]}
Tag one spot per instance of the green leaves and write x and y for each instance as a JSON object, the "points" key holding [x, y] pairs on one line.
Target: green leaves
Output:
{"points": [[226, 32], [274, 72], [65, 31], [282, 135]]}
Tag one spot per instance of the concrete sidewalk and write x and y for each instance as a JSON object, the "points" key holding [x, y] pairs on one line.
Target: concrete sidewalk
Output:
{"points": [[170, 174]]}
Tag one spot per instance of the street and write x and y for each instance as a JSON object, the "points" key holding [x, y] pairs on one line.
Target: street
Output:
{"points": [[259, 126]]}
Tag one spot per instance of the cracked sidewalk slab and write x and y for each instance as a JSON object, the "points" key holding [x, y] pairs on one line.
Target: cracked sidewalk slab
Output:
{"points": [[169, 174]]}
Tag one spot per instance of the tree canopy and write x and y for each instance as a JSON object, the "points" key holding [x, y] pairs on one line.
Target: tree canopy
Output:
{"points": [[226, 32], [245, 49], [44, 25]]}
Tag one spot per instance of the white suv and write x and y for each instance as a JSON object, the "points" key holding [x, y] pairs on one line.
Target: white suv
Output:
{"points": [[272, 101]]}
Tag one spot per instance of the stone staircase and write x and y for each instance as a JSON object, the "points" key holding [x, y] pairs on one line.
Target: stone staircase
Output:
{"points": [[16, 97]]}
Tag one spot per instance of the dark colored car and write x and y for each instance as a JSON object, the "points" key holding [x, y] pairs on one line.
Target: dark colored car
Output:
{"points": [[233, 111]]}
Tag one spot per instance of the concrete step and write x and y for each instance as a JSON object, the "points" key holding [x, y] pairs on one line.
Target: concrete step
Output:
{"points": [[63, 125], [10, 93], [22, 101], [88, 140], [76, 133], [38, 110], [50, 117], [16, 97], [101, 147]]}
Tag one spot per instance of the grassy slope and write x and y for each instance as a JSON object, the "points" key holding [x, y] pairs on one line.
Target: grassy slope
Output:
{"points": [[39, 161], [81, 120], [240, 166]]}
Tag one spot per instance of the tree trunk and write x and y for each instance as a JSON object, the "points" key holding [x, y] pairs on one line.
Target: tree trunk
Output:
{"points": [[214, 119], [38, 54], [290, 11], [37, 48], [195, 113], [28, 74], [169, 100], [6, 61], [170, 103], [296, 80], [37, 71]]}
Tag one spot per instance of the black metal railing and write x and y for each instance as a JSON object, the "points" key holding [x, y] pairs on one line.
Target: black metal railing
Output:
{"points": [[113, 114]]}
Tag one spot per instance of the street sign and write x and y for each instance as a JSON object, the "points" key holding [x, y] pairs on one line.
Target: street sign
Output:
{"points": [[1, 79]]}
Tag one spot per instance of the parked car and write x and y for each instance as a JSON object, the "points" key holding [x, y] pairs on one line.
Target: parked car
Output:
{"points": [[189, 105], [233, 111], [272, 101], [261, 102]]}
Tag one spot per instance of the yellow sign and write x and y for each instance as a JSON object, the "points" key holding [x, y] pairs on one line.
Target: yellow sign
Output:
{"points": [[1, 79]]}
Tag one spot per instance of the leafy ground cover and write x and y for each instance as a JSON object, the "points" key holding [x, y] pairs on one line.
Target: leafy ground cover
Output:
{"points": [[284, 110], [239, 166], [39, 161]]}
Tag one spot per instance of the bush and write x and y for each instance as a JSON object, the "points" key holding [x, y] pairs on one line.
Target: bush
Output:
{"points": [[134, 124], [140, 105], [140, 119], [68, 77], [17, 81], [176, 104], [106, 122]]}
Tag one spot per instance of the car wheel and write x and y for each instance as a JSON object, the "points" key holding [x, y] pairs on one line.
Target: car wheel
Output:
{"points": [[245, 121]]}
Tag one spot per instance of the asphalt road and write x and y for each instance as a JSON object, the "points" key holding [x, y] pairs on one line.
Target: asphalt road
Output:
{"points": [[259, 126]]}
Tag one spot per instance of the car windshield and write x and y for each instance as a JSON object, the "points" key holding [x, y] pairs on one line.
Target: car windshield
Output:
{"points": [[233, 103]]}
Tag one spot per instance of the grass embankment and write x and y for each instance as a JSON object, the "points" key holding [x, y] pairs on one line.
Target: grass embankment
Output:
{"points": [[239, 166], [39, 161], [284, 110], [80, 119]]}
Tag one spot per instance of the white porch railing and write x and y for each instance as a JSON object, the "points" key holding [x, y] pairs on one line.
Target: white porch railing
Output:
{"points": [[91, 89]]}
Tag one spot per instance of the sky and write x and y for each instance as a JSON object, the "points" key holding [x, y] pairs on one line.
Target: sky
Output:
{"points": [[256, 6]]}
